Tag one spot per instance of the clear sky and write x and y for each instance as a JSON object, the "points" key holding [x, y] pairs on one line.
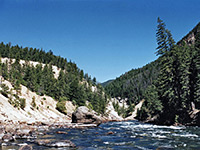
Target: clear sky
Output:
{"points": [[106, 38]]}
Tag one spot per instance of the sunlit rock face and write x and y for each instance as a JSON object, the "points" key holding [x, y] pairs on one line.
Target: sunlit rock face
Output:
{"points": [[84, 115]]}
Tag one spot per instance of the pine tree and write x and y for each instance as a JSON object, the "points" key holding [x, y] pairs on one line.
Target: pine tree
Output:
{"points": [[166, 82], [184, 75], [197, 65], [161, 38]]}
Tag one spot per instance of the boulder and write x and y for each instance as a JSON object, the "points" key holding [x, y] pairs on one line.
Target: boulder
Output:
{"points": [[61, 132], [2, 133], [86, 116], [23, 132], [10, 129], [110, 132], [26, 147], [8, 138]]}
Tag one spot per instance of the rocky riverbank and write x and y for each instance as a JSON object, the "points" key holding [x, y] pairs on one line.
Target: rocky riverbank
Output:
{"points": [[11, 131], [82, 118]]}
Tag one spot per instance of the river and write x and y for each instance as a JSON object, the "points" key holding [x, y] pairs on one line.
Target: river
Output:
{"points": [[130, 135]]}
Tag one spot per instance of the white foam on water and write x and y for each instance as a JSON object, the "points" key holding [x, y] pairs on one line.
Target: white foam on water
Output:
{"points": [[185, 135], [111, 128], [22, 144], [106, 143], [122, 143], [142, 148], [150, 126], [158, 136], [133, 136], [61, 144], [162, 132]]}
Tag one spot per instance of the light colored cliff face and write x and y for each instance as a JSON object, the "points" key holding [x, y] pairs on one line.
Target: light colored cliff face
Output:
{"points": [[134, 113], [44, 111], [190, 39], [56, 70], [112, 114]]}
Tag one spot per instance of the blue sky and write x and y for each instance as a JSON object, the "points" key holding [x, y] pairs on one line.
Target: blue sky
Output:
{"points": [[106, 38]]}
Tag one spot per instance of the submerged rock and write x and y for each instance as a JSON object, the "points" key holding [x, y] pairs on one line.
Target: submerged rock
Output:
{"points": [[84, 115], [8, 138], [53, 143], [110, 132], [61, 132], [26, 147]]}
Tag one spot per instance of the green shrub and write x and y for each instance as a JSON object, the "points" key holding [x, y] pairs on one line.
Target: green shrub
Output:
{"points": [[74, 102], [33, 104], [22, 103], [60, 106], [4, 90], [63, 98]]}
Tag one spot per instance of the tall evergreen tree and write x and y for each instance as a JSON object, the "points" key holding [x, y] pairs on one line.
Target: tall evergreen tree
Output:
{"points": [[161, 38], [197, 65], [166, 82]]}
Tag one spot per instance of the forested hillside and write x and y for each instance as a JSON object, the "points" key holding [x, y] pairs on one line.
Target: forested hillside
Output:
{"points": [[170, 85], [132, 85], [71, 84], [176, 91], [104, 84]]}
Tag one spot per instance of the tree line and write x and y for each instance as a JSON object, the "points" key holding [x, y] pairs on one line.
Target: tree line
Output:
{"points": [[177, 86], [72, 84], [132, 84], [172, 87]]}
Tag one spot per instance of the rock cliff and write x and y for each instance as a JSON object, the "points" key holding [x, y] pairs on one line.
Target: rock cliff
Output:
{"points": [[44, 109]]}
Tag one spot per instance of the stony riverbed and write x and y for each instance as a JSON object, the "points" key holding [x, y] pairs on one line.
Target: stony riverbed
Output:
{"points": [[111, 135]]}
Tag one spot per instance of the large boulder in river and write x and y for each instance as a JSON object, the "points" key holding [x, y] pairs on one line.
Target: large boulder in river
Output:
{"points": [[85, 115]]}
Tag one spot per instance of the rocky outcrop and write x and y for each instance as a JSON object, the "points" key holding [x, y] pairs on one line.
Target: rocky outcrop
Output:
{"points": [[44, 110], [194, 116], [191, 36], [134, 113], [112, 115], [86, 116], [196, 119]]}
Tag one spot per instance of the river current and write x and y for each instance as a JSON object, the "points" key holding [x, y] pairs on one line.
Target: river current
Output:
{"points": [[130, 135]]}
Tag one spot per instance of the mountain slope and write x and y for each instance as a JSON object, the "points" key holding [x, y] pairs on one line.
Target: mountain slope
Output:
{"points": [[104, 84], [39, 86], [132, 84], [170, 85], [47, 74], [144, 76]]}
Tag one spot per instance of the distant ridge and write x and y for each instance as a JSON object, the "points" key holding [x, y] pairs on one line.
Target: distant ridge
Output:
{"points": [[104, 84]]}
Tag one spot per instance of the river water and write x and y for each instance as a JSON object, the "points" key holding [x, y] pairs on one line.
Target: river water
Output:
{"points": [[130, 135]]}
